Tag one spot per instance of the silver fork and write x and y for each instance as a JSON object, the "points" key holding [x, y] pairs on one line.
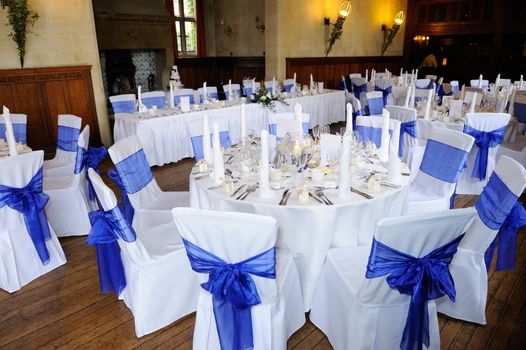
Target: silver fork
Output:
{"points": [[250, 189], [322, 195]]}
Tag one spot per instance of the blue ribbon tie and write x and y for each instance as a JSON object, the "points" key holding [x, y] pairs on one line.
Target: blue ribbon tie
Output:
{"points": [[410, 129], [484, 141], [89, 159], [385, 92], [125, 206], [233, 292]]}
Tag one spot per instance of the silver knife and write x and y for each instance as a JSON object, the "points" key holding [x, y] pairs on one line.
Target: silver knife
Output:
{"points": [[283, 196], [214, 187], [389, 185], [238, 189], [202, 177], [363, 194], [316, 198], [287, 198]]}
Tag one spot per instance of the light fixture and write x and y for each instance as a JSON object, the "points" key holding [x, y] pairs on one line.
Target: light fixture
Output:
{"points": [[421, 39], [389, 37], [226, 28], [4, 3], [337, 29], [260, 27]]}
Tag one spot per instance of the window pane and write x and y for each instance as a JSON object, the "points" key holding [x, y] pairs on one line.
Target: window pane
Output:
{"points": [[189, 8], [177, 9], [179, 36], [191, 37]]}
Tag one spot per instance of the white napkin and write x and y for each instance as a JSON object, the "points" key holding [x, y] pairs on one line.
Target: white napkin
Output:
{"points": [[344, 183], [264, 175], [206, 140], [348, 126], [383, 152], [429, 101], [394, 168], [172, 105], [473, 103], [243, 122], [219, 166], [10, 136], [185, 103]]}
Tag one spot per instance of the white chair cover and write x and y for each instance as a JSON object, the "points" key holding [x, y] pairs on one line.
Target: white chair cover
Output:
{"points": [[19, 262], [154, 98], [268, 86], [468, 95], [434, 183], [369, 128], [468, 266], [68, 134], [355, 75], [407, 116], [160, 285], [249, 89], [475, 83], [288, 85], [485, 122], [178, 93], [399, 95], [195, 128], [125, 103], [275, 120], [211, 91], [235, 237], [68, 206], [425, 84], [19, 127], [375, 102], [504, 82], [455, 86], [151, 205], [359, 313], [236, 88]]}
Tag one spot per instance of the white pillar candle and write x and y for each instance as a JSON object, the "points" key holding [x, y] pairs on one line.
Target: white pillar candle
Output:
{"points": [[230, 97], [480, 81], [412, 96], [219, 167], [204, 92], [427, 111], [497, 81], [394, 168], [473, 103], [206, 140], [139, 99], [366, 75], [383, 152], [520, 83], [264, 184], [408, 91], [294, 83], [344, 180], [243, 122], [348, 126], [405, 79], [298, 117], [9, 134], [172, 104], [273, 86], [311, 83]]}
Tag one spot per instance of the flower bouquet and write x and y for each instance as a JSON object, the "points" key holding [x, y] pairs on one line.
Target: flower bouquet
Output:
{"points": [[266, 98]]}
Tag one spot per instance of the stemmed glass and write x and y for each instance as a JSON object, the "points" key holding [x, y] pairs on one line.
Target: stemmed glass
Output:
{"points": [[316, 133]]}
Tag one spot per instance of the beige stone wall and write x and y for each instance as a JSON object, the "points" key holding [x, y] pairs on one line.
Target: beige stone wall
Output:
{"points": [[240, 15], [306, 36], [66, 37]]}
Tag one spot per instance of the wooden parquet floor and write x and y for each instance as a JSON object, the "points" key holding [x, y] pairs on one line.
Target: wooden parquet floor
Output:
{"points": [[65, 310]]}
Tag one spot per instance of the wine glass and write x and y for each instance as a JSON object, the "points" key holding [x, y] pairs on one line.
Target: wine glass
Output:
{"points": [[316, 133]]}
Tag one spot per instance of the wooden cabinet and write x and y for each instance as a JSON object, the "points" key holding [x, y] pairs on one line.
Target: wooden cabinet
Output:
{"points": [[43, 94]]}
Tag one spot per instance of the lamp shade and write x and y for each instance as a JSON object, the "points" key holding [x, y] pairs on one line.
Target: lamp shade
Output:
{"points": [[345, 8], [399, 18]]}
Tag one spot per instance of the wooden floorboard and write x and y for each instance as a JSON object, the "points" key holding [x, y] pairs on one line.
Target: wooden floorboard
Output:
{"points": [[65, 310]]}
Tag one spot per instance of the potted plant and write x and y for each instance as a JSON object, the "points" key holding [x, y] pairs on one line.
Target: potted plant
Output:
{"points": [[21, 17]]}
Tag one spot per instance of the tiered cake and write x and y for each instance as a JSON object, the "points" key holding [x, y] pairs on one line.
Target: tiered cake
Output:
{"points": [[175, 79]]}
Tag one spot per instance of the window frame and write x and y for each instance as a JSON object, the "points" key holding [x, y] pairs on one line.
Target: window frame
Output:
{"points": [[182, 19]]}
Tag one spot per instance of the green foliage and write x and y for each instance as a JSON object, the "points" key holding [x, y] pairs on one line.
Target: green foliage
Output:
{"points": [[267, 99], [389, 40], [20, 17], [337, 31]]}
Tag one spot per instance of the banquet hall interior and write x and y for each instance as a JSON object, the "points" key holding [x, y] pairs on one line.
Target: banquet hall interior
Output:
{"points": [[262, 174]]}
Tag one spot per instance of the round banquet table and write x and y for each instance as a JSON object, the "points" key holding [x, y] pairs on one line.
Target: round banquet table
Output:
{"points": [[310, 229]]}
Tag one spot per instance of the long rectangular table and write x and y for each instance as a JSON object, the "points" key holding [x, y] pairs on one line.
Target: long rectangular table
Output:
{"points": [[166, 138]]}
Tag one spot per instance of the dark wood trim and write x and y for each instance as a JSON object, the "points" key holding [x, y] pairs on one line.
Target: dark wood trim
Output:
{"points": [[201, 34]]}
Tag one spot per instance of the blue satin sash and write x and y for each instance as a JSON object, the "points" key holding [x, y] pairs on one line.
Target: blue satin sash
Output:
{"points": [[19, 131], [177, 99], [124, 106], [484, 140], [410, 129], [374, 106], [89, 159], [233, 292], [125, 206], [134, 172], [288, 88], [106, 228], [428, 87], [197, 143], [359, 89], [424, 279], [159, 101], [369, 133], [386, 92], [495, 203], [273, 128], [67, 138], [234, 91], [30, 201], [443, 162]]}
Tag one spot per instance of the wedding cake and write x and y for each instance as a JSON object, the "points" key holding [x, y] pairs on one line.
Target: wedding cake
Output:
{"points": [[175, 79]]}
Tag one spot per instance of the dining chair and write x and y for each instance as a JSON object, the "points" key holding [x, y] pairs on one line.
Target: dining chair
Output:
{"points": [[249, 89], [211, 92], [148, 269], [369, 129], [178, 93], [408, 129], [468, 267], [375, 103], [475, 83], [236, 89], [382, 296], [19, 127], [288, 85], [195, 128], [386, 87], [30, 247], [151, 206], [154, 98], [276, 122], [68, 135], [125, 103], [250, 296]]}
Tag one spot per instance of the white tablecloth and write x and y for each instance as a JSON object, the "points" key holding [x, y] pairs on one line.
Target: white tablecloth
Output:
{"points": [[310, 230], [166, 138]]}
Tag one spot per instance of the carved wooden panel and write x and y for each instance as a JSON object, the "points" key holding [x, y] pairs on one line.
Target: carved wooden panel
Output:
{"points": [[43, 94]]}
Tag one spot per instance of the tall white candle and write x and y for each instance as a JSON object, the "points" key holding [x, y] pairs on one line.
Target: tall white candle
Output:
{"points": [[394, 171], [497, 81], [204, 92], [219, 167], [473, 103], [427, 111], [9, 134], [383, 152], [311, 83], [294, 83], [206, 140], [408, 91], [405, 79], [264, 172], [348, 126], [298, 117], [172, 104], [366, 75], [230, 97], [139, 99], [344, 180], [480, 81], [412, 96], [273, 86], [416, 75], [243, 122], [520, 83]]}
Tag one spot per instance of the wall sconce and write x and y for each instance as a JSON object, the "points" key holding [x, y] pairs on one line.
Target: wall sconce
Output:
{"points": [[337, 27], [226, 28], [4, 3], [260, 27], [388, 38]]}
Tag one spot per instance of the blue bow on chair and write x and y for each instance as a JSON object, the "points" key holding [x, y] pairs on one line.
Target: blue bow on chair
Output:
{"points": [[233, 292], [484, 140], [410, 129], [359, 89], [125, 206], [106, 228], [30, 201], [385, 92], [425, 278], [89, 159], [507, 240]]}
